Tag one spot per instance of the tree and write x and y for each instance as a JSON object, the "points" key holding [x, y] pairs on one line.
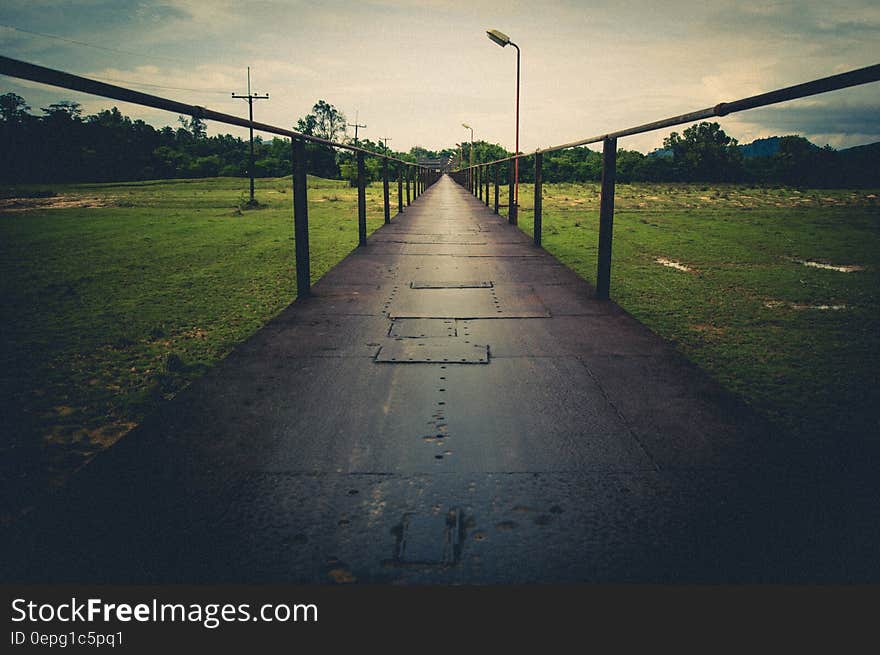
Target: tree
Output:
{"points": [[705, 153], [307, 125], [13, 108], [194, 125], [66, 110], [628, 163], [325, 122]]}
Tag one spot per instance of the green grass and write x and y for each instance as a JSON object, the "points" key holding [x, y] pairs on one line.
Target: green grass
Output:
{"points": [[747, 310], [109, 308]]}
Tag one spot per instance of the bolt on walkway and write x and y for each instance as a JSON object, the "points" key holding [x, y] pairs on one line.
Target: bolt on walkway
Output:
{"points": [[452, 405]]}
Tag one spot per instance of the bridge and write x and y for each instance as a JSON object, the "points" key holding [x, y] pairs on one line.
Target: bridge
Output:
{"points": [[450, 404]]}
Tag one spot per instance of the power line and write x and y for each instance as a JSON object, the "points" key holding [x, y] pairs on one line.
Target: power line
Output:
{"points": [[159, 86], [92, 45]]}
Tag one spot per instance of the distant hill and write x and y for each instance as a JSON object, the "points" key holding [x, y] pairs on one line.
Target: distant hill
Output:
{"points": [[769, 146], [764, 147], [870, 150]]}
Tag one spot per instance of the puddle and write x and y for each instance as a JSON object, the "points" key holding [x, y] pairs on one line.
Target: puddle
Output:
{"points": [[678, 266], [851, 268], [776, 304]]}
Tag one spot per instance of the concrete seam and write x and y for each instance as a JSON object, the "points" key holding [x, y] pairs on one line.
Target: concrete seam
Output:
{"points": [[619, 414]]}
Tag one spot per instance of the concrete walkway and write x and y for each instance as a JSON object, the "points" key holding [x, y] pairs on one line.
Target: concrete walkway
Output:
{"points": [[451, 406]]}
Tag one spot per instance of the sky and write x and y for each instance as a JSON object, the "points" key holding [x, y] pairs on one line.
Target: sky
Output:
{"points": [[414, 71]]}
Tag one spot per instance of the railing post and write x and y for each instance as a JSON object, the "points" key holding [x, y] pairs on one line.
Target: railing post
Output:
{"points": [[385, 189], [301, 219], [479, 191], [496, 176], [362, 201], [486, 175], [539, 205], [399, 189], [408, 174], [511, 204], [606, 218]]}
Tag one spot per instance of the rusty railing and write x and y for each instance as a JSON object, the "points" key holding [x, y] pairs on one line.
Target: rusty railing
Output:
{"points": [[472, 177], [416, 178]]}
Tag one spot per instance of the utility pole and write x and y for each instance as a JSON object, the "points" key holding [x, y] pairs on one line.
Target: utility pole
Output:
{"points": [[250, 97], [356, 126], [385, 140]]}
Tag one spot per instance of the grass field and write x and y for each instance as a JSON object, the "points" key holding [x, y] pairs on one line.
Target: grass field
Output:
{"points": [[116, 296], [774, 291]]}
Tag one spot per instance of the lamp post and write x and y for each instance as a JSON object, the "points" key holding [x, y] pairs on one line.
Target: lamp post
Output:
{"points": [[468, 127], [502, 39]]}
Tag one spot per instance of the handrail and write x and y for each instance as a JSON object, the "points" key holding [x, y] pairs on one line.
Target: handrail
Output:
{"points": [[418, 178], [855, 77], [476, 177], [35, 73]]}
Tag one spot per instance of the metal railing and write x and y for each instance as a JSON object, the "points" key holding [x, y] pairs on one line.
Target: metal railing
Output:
{"points": [[414, 177], [476, 178]]}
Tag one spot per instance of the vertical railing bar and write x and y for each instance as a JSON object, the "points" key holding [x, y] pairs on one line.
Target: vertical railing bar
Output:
{"points": [[486, 175], [362, 200], [399, 189], [495, 169], [408, 174], [301, 219], [606, 218], [385, 195], [539, 204], [511, 212]]}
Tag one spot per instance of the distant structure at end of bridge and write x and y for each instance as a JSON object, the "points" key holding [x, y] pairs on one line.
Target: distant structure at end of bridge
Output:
{"points": [[441, 165]]}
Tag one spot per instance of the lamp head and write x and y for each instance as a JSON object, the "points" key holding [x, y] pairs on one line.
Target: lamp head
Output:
{"points": [[466, 126], [498, 37]]}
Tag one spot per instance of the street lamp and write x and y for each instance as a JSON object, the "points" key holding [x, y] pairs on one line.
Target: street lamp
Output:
{"points": [[468, 127], [502, 39]]}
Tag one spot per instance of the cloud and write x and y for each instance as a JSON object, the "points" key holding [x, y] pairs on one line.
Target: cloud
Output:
{"points": [[416, 70]]}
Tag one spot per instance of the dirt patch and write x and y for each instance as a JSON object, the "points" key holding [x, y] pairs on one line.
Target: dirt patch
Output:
{"points": [[708, 330], [55, 202], [840, 268], [196, 333], [776, 304], [671, 263]]}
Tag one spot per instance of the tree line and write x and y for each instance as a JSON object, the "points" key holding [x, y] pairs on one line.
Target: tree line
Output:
{"points": [[704, 153], [61, 145]]}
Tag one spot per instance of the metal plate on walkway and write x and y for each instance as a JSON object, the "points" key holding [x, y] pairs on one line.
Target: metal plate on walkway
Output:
{"points": [[440, 284], [409, 328], [432, 351], [433, 539], [514, 301]]}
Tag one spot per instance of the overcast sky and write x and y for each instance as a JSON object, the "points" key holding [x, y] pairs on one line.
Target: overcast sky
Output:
{"points": [[414, 71]]}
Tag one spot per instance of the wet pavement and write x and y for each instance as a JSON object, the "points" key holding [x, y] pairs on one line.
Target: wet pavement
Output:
{"points": [[452, 405]]}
